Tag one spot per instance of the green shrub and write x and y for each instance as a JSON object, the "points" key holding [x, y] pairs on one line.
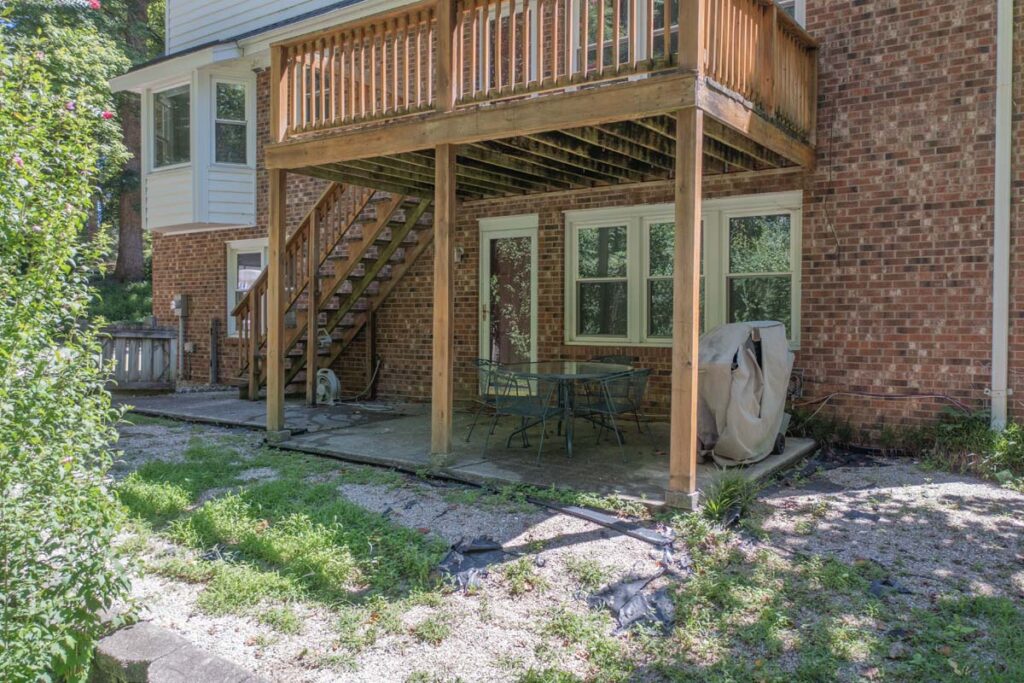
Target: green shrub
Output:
{"points": [[58, 563], [122, 302], [730, 490]]}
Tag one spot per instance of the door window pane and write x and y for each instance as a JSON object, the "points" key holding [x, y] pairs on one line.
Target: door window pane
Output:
{"points": [[759, 244], [171, 127], [602, 308], [602, 252], [511, 275], [248, 266]]}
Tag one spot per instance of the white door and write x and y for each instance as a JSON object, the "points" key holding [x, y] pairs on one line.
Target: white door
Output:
{"points": [[508, 289]]}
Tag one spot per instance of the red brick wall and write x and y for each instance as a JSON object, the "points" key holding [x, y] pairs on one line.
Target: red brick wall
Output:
{"points": [[896, 275]]}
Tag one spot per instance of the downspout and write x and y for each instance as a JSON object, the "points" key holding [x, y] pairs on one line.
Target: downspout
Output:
{"points": [[1001, 234]]}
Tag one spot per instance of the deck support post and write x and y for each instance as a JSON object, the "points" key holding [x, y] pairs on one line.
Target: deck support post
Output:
{"points": [[682, 487], [275, 300], [312, 309], [443, 339]]}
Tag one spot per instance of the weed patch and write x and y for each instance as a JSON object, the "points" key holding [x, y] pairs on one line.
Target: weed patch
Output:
{"points": [[521, 577], [587, 571]]}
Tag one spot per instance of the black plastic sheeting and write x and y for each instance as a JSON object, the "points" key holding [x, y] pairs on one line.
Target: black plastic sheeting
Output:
{"points": [[630, 602], [466, 564]]}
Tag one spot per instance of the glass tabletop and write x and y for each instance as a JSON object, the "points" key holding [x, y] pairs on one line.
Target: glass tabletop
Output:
{"points": [[566, 369]]}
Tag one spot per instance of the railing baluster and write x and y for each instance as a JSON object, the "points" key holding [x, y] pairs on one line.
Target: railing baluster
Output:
{"points": [[617, 9]]}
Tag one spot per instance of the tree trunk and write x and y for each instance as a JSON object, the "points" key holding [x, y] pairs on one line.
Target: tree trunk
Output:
{"points": [[130, 260]]}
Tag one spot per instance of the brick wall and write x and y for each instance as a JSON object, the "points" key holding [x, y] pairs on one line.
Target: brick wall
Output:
{"points": [[896, 274]]}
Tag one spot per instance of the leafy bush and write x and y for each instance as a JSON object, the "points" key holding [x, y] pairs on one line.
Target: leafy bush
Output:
{"points": [[122, 302], [58, 568], [966, 444]]}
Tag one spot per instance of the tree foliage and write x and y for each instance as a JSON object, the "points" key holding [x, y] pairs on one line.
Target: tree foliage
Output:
{"points": [[57, 518]]}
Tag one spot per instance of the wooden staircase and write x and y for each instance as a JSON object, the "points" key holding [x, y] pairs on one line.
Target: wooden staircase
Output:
{"points": [[354, 245]]}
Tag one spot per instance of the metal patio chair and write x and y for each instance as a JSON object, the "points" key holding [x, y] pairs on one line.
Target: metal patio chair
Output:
{"points": [[621, 394], [530, 400], [485, 401]]}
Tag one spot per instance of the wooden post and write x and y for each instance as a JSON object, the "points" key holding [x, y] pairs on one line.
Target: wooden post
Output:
{"points": [[444, 67], [278, 94], [682, 485], [444, 214], [312, 309], [691, 35], [275, 300]]}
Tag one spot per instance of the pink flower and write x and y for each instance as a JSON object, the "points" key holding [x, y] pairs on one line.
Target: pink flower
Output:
{"points": [[70, 106], [94, 4], [18, 161], [107, 114], [40, 55]]}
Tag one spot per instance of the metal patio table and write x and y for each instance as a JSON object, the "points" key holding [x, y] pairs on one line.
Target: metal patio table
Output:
{"points": [[566, 373]]}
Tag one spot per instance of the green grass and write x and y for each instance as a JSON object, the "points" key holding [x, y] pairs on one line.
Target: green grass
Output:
{"points": [[133, 418], [521, 577], [155, 501], [730, 490], [433, 630], [588, 572], [294, 539], [588, 634], [281, 619], [118, 302]]}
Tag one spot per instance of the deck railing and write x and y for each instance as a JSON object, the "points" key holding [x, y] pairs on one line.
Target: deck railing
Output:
{"points": [[442, 54]]}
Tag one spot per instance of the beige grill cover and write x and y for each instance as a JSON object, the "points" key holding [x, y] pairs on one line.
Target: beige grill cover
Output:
{"points": [[742, 403]]}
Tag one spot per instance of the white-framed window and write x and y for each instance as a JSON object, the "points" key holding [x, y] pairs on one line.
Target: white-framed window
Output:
{"points": [[246, 259], [796, 9], [619, 266], [230, 123], [171, 124]]}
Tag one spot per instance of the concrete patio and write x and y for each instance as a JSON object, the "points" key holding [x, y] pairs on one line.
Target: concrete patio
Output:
{"points": [[398, 435]]}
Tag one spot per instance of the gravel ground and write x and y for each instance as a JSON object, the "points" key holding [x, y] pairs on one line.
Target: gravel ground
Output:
{"points": [[493, 633], [934, 533], [940, 532]]}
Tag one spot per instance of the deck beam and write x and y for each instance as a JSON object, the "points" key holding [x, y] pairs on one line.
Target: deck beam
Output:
{"points": [[647, 97]]}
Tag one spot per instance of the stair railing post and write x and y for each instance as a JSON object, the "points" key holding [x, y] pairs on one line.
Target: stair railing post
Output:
{"points": [[312, 307]]}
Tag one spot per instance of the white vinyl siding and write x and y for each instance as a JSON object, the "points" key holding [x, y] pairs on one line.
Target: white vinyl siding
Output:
{"points": [[196, 22], [168, 197], [231, 196], [618, 289]]}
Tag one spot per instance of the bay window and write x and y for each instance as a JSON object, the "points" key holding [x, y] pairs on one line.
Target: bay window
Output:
{"points": [[620, 261], [230, 126], [171, 122]]}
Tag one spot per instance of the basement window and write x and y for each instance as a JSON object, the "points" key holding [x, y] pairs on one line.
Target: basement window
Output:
{"points": [[171, 144], [620, 262], [246, 260]]}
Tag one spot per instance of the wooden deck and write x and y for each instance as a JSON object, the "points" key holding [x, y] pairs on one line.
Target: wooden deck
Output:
{"points": [[449, 100]]}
